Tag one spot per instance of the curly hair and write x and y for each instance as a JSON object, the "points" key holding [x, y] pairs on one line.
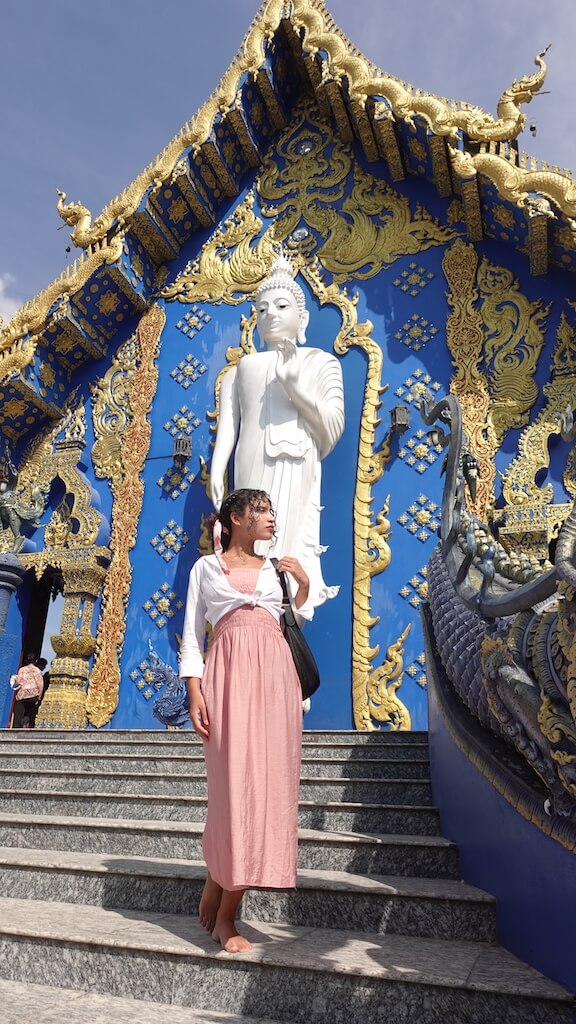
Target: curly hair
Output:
{"points": [[236, 501]]}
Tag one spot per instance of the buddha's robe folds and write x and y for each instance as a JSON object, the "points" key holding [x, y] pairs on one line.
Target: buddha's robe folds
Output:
{"points": [[279, 450]]}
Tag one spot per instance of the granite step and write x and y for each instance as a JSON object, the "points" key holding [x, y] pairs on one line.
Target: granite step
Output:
{"points": [[358, 752], [402, 854], [129, 736], [190, 784], [345, 768], [434, 908], [27, 742], [23, 1002], [350, 817], [44, 780], [359, 978]]}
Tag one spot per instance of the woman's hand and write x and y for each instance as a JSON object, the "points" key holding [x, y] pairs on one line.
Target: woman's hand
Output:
{"points": [[292, 565], [198, 712]]}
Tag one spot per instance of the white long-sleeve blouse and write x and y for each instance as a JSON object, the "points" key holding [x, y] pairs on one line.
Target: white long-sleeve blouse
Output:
{"points": [[211, 595]]}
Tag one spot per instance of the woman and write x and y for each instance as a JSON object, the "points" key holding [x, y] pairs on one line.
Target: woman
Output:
{"points": [[246, 704], [28, 686]]}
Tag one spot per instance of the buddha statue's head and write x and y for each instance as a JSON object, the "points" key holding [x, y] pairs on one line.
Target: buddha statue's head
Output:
{"points": [[280, 306]]}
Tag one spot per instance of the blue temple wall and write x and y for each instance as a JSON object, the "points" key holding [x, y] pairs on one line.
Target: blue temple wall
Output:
{"points": [[10, 648], [414, 489], [531, 875], [406, 291]]}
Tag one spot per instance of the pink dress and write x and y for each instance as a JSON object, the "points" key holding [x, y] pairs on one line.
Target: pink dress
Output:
{"points": [[254, 705]]}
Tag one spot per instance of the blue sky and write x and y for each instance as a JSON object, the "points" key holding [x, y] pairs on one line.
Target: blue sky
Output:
{"points": [[93, 89]]}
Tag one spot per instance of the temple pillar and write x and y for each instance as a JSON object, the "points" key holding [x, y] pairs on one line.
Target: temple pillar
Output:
{"points": [[64, 704]]}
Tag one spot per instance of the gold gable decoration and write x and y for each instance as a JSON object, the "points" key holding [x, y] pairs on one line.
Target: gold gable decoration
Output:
{"points": [[376, 100], [374, 227]]}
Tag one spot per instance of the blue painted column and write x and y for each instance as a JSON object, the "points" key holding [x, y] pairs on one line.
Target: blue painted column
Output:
{"points": [[11, 575]]}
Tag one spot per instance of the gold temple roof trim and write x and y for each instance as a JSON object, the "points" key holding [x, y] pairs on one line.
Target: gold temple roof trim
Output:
{"points": [[365, 80], [516, 183], [30, 318]]}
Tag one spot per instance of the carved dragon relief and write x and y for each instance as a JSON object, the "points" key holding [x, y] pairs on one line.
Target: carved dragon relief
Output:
{"points": [[513, 338]]}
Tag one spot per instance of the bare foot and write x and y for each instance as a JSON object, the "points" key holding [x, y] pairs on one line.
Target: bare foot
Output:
{"points": [[209, 903], [225, 933]]}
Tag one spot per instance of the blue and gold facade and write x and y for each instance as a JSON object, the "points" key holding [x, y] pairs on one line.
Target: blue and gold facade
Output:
{"points": [[434, 258]]}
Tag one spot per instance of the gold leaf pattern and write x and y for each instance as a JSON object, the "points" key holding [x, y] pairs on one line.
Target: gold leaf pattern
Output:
{"points": [[128, 489]]}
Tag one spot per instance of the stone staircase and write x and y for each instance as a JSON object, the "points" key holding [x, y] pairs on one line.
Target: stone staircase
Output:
{"points": [[101, 872]]}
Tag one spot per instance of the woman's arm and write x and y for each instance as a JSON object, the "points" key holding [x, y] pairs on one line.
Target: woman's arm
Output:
{"points": [[192, 648], [198, 712], [191, 651]]}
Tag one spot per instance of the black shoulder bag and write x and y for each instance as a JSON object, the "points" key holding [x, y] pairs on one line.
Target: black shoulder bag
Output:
{"points": [[304, 662]]}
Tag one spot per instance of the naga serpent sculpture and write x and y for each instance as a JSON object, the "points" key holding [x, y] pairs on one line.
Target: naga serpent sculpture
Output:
{"points": [[504, 624]]}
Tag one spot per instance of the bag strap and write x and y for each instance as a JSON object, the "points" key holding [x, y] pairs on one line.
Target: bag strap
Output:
{"points": [[286, 603]]}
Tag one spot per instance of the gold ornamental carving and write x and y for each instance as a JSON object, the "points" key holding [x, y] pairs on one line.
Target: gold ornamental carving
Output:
{"points": [[529, 511], [375, 99], [516, 184], [301, 183], [513, 339], [557, 722], [70, 546], [111, 412], [59, 529], [231, 264], [55, 455], [519, 485], [495, 336], [465, 339], [125, 467], [384, 683], [373, 689], [64, 704], [373, 228]]}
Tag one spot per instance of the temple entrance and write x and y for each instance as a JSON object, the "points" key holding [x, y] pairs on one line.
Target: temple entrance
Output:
{"points": [[44, 614]]}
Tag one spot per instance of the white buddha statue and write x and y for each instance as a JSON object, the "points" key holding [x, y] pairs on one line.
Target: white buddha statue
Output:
{"points": [[283, 411]]}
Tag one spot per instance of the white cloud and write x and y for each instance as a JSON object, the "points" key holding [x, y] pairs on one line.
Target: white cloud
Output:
{"points": [[9, 301]]}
